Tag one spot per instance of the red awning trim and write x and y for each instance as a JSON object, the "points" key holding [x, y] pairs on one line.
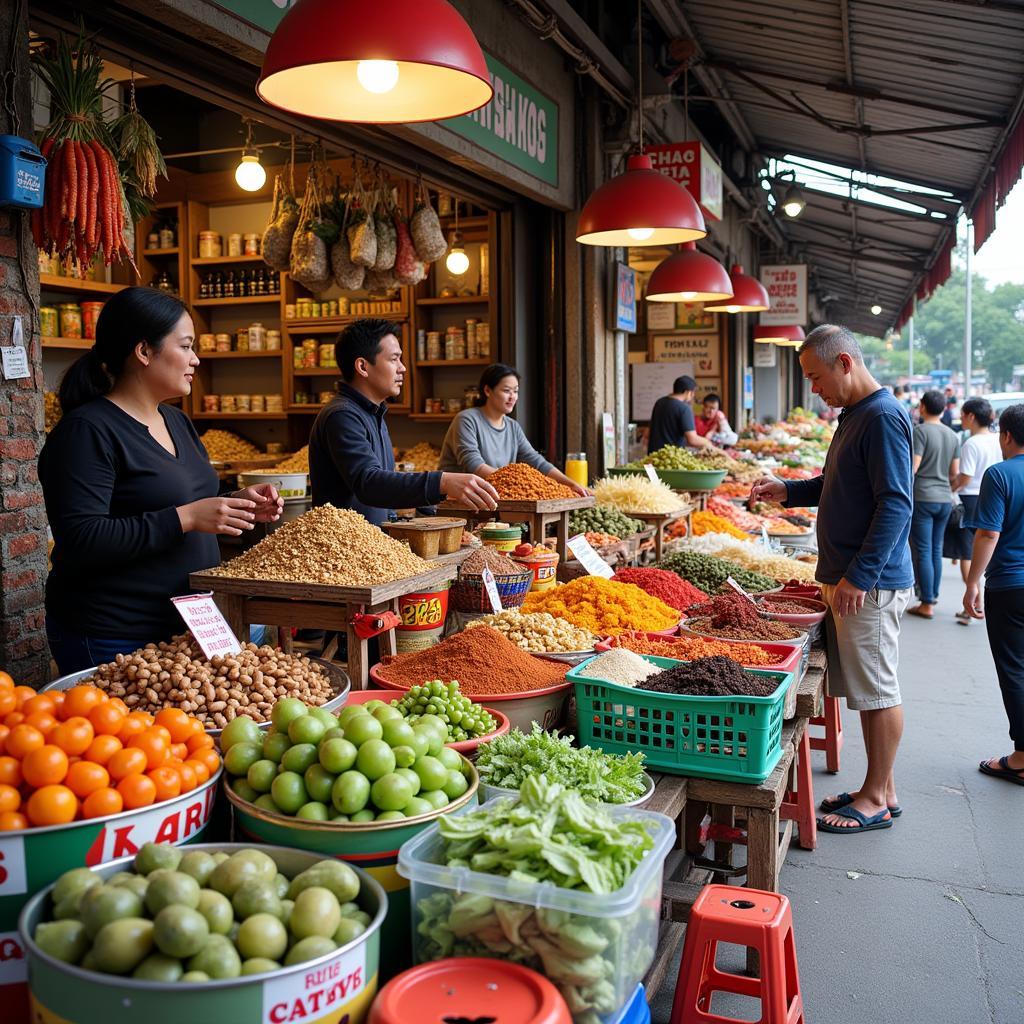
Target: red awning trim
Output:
{"points": [[1006, 174], [938, 274]]}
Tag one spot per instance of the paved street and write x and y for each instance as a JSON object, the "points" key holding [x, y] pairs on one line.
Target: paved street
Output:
{"points": [[922, 923]]}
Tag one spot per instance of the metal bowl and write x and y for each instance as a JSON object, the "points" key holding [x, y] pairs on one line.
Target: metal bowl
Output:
{"points": [[337, 675]]}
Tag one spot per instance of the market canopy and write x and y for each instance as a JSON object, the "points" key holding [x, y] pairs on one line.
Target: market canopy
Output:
{"points": [[926, 92]]}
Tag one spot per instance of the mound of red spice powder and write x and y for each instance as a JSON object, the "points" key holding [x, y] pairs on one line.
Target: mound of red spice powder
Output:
{"points": [[481, 659], [664, 585], [727, 610]]}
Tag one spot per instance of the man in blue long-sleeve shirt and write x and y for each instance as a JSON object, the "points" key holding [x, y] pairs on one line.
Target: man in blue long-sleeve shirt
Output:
{"points": [[865, 501], [351, 460]]}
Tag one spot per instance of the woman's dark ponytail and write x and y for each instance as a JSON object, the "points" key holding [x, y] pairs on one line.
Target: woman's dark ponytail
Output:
{"points": [[128, 317]]}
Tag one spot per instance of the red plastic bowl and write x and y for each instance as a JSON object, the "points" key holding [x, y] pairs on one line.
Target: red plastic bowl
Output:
{"points": [[787, 657], [816, 611], [462, 746]]}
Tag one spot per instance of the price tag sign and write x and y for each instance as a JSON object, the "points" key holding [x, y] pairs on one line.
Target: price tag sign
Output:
{"points": [[492, 590], [589, 558], [651, 472], [765, 539], [739, 590], [207, 624], [15, 362]]}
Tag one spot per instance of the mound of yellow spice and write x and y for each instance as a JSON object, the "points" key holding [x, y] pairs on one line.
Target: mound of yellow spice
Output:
{"points": [[603, 606]]}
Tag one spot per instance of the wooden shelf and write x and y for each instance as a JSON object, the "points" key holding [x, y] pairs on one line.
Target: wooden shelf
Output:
{"points": [[453, 362], [456, 300], [213, 261], [151, 253], [465, 223], [79, 343], [55, 282], [245, 300], [239, 416], [273, 354], [309, 407], [317, 371], [323, 325], [436, 417]]}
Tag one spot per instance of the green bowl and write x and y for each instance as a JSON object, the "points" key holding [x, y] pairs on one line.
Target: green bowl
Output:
{"points": [[679, 479]]}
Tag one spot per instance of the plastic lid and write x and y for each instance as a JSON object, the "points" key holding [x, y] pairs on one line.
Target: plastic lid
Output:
{"points": [[469, 989]]}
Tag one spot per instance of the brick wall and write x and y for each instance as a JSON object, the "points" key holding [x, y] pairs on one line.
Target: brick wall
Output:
{"points": [[23, 650]]}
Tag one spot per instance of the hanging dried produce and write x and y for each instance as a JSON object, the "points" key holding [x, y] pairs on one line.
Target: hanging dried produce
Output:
{"points": [[380, 282], [426, 229], [387, 237], [409, 269], [348, 275], [362, 237], [280, 230], [84, 206], [309, 263], [137, 148]]}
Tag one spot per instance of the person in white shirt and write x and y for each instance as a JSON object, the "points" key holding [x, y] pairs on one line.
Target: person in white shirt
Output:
{"points": [[978, 452]]}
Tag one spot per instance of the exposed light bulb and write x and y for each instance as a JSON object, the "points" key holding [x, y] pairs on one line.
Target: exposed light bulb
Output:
{"points": [[876, 309], [250, 174], [793, 209], [457, 262], [377, 75], [732, 309], [687, 296], [639, 234]]}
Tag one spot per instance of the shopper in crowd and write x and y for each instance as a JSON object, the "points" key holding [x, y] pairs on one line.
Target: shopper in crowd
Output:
{"points": [[998, 520], [672, 419], [864, 499], [936, 464], [130, 494], [978, 452], [485, 438], [351, 460], [712, 423], [949, 413]]}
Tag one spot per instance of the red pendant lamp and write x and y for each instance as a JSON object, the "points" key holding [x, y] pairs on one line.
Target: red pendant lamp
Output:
{"points": [[386, 62], [641, 207], [748, 295], [689, 276], [786, 334]]}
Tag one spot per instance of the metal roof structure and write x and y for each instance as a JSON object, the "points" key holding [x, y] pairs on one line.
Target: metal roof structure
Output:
{"points": [[928, 92]]}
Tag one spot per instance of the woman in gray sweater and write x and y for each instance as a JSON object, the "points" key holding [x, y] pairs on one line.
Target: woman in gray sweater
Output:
{"points": [[484, 439]]}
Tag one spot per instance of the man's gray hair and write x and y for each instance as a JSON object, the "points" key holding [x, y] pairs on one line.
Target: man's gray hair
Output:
{"points": [[829, 341]]}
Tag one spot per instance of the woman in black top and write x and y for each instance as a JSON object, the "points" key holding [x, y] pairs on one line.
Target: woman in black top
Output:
{"points": [[130, 493]]}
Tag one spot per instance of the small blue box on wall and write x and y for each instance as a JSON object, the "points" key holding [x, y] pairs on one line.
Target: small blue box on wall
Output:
{"points": [[22, 173]]}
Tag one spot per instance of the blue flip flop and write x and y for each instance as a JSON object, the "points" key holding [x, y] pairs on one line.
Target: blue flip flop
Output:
{"points": [[844, 800], [883, 819], [1004, 771]]}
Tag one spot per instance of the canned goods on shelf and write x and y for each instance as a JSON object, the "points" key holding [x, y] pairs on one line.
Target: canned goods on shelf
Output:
{"points": [[211, 403], [257, 337], [275, 403], [252, 244], [227, 403], [327, 354], [153, 240], [344, 306], [325, 397], [223, 342], [48, 321], [242, 340], [454, 404], [165, 240], [207, 342], [70, 320], [90, 314], [235, 244], [259, 403], [243, 403], [289, 311], [273, 341], [210, 245]]}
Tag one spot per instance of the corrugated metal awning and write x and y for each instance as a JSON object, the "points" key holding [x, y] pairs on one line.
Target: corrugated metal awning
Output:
{"points": [[926, 92]]}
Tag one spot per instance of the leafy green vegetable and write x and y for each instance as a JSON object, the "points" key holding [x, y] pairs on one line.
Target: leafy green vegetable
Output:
{"points": [[511, 759]]}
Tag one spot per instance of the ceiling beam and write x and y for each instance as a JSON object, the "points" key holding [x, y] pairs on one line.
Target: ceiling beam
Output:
{"points": [[858, 102]]}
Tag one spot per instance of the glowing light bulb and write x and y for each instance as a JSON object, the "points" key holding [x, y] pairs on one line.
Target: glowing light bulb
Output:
{"points": [[639, 234], [732, 309], [250, 174], [457, 261], [876, 309], [687, 296], [793, 209], [377, 75]]}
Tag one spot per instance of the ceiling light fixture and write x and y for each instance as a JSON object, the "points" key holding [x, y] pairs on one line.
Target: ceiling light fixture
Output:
{"points": [[689, 276], [876, 309], [748, 295], [387, 62], [250, 174], [793, 201], [456, 261], [641, 206], [779, 334]]}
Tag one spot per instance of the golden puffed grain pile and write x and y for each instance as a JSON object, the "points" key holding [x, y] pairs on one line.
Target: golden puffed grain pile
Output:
{"points": [[538, 632], [425, 457], [223, 446], [297, 463], [327, 545]]}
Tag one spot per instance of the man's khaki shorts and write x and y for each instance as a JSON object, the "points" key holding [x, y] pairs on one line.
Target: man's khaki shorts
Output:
{"points": [[864, 651]]}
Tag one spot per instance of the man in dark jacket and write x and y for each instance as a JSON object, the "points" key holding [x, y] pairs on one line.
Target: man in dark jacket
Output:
{"points": [[351, 460], [672, 419]]}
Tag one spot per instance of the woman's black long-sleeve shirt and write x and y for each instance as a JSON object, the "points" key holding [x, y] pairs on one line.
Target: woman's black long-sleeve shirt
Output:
{"points": [[112, 493]]}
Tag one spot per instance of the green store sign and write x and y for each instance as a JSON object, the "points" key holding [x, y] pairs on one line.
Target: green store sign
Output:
{"points": [[519, 125]]}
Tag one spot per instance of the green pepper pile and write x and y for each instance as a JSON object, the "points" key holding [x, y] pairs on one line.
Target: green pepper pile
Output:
{"points": [[604, 519], [670, 457], [709, 573]]}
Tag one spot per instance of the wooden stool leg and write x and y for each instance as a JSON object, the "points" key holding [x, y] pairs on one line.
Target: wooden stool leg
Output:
{"points": [[694, 815], [387, 640], [358, 669], [562, 542], [232, 607], [833, 734], [806, 820], [723, 814]]}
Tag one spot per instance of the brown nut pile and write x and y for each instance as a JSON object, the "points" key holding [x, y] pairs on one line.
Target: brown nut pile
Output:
{"points": [[223, 446], [297, 463], [176, 674]]}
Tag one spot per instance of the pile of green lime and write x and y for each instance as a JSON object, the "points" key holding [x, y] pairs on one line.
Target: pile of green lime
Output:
{"points": [[196, 916], [368, 764]]}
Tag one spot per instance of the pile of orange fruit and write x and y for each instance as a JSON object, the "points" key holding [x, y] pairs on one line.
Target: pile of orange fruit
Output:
{"points": [[76, 754]]}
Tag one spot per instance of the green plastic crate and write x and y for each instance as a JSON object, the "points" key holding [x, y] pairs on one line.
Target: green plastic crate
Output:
{"points": [[736, 739]]}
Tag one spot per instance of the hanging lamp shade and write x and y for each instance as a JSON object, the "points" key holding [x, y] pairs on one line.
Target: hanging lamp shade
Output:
{"points": [[385, 62], [640, 207], [748, 295], [786, 334], [689, 276]]}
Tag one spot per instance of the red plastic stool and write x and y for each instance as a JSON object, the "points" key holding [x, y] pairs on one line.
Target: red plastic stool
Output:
{"points": [[748, 917]]}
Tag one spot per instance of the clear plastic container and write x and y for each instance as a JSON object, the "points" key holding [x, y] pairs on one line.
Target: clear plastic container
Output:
{"points": [[624, 923]]}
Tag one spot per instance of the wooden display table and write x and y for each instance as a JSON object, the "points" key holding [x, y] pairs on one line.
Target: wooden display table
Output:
{"points": [[659, 520], [316, 606], [537, 514]]}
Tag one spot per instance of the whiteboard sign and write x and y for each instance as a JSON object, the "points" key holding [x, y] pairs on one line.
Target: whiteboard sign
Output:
{"points": [[207, 624], [589, 558], [491, 586], [651, 472], [651, 381]]}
